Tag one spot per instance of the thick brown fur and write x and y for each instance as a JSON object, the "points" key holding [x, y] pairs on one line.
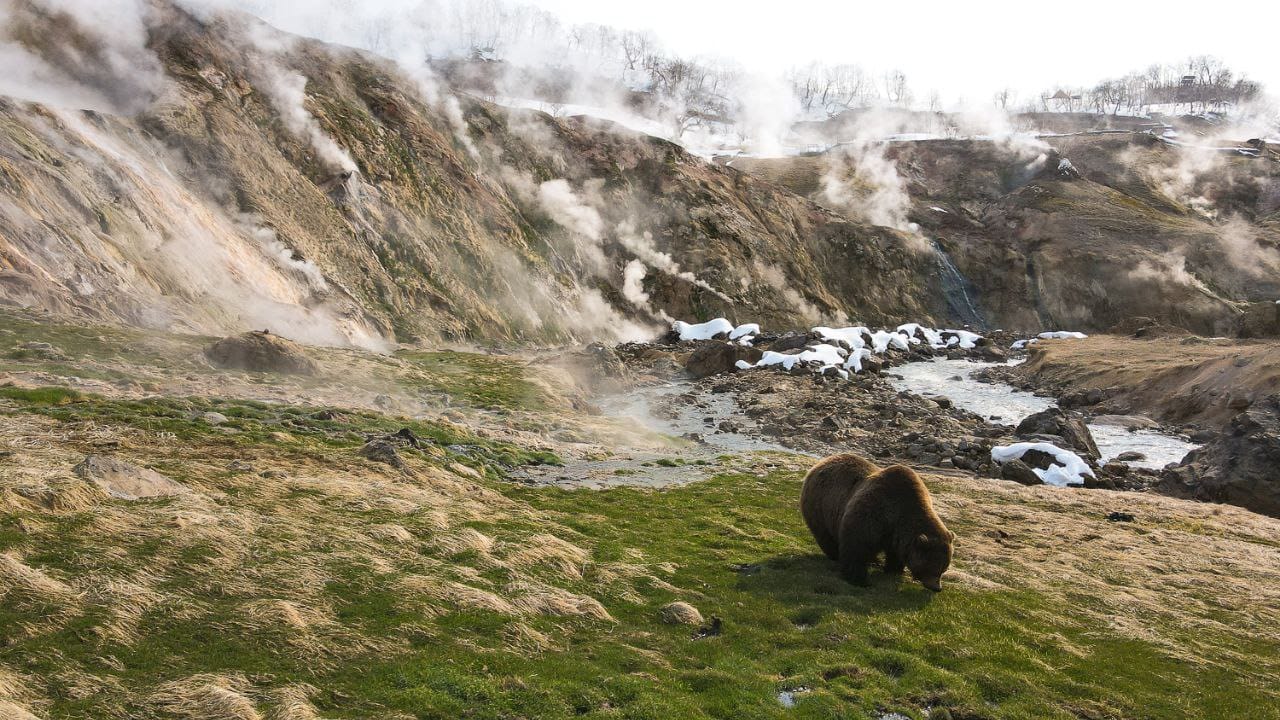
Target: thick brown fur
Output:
{"points": [[857, 510]]}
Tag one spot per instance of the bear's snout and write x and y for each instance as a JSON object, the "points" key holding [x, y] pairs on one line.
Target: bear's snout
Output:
{"points": [[934, 584]]}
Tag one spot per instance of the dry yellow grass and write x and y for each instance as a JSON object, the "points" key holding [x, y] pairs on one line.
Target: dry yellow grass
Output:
{"points": [[270, 540], [208, 697], [1163, 377], [1180, 568], [292, 703], [550, 551]]}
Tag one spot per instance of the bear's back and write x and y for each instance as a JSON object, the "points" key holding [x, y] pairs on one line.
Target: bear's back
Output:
{"points": [[826, 491], [895, 491]]}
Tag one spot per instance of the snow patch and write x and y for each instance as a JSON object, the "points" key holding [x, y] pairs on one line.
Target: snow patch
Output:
{"points": [[703, 331], [1069, 467]]}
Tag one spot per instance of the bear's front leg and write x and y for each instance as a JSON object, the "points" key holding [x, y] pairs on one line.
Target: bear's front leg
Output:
{"points": [[893, 565]]}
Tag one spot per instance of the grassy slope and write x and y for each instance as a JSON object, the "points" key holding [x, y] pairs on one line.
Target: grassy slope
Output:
{"points": [[319, 581]]}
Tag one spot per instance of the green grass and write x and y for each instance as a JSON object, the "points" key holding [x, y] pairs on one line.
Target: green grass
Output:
{"points": [[744, 556], [250, 423], [739, 549], [486, 381]]}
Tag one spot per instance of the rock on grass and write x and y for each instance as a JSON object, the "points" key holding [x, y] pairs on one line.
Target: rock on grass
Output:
{"points": [[125, 481], [680, 613]]}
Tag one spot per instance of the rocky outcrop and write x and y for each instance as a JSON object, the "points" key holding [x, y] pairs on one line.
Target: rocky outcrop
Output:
{"points": [[1241, 466], [203, 211], [260, 351], [1089, 243], [713, 357]]}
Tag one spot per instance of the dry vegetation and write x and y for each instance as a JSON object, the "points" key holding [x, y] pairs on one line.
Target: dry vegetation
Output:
{"points": [[1176, 379]]}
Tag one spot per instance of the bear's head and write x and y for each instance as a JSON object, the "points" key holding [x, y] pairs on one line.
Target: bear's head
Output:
{"points": [[929, 557]]}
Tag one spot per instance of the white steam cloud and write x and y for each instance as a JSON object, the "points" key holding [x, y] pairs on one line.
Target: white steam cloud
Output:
{"points": [[97, 59], [288, 92]]}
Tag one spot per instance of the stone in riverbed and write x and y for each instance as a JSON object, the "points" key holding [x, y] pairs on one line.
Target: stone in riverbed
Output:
{"points": [[1070, 428]]}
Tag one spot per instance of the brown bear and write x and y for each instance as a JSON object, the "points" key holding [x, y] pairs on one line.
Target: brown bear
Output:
{"points": [[857, 510]]}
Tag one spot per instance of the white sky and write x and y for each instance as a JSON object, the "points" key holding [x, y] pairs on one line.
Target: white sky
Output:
{"points": [[959, 48]]}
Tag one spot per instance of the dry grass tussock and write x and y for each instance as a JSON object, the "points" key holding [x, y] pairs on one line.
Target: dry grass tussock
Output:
{"points": [[1180, 576], [292, 703], [277, 544], [550, 551], [208, 697], [15, 697]]}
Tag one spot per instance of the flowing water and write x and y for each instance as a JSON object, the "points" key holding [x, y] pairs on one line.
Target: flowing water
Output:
{"points": [[958, 291], [1001, 403]]}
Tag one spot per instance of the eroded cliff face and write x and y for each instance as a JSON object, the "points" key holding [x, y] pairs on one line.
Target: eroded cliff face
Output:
{"points": [[1128, 226], [328, 195]]}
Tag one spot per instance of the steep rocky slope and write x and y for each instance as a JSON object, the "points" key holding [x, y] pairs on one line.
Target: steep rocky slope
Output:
{"points": [[272, 182], [1127, 226]]}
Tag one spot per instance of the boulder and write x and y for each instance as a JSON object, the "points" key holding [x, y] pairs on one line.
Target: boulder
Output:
{"points": [[260, 351], [125, 481], [1071, 428], [680, 613], [605, 361], [790, 341], [383, 450], [1240, 466], [1019, 472], [713, 357], [992, 353]]}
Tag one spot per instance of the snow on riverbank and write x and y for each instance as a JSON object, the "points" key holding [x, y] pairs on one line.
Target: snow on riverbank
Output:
{"points": [[1053, 335], [704, 331], [835, 350], [997, 402]]}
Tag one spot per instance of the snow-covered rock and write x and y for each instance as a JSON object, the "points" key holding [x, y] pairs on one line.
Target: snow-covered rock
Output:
{"points": [[1068, 468], [702, 331]]}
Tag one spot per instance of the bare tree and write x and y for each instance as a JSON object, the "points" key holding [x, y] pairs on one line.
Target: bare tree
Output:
{"points": [[895, 88], [635, 47]]}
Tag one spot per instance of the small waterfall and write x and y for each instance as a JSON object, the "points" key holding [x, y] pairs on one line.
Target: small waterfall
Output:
{"points": [[957, 290]]}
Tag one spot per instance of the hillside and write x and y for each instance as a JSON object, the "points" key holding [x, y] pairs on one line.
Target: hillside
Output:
{"points": [[1136, 227], [333, 389], [281, 183]]}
